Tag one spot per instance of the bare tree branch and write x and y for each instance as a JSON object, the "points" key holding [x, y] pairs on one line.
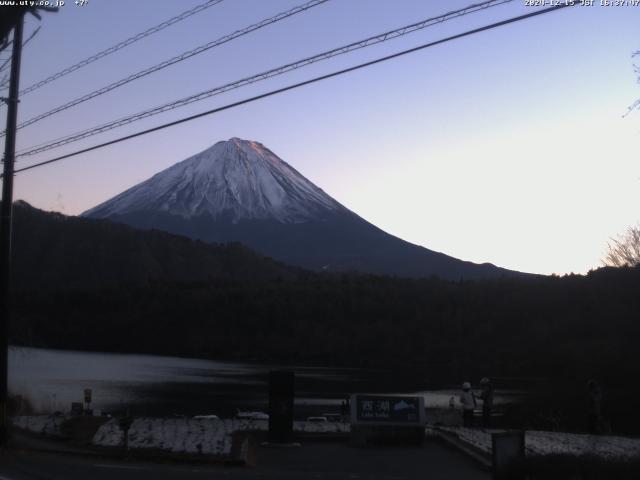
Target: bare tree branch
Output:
{"points": [[636, 68], [625, 250]]}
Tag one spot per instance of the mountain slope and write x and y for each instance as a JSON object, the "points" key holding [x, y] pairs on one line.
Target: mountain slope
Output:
{"points": [[239, 190], [54, 251], [235, 180]]}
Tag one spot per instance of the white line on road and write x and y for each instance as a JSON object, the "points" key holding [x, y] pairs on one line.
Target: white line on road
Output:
{"points": [[4, 478]]}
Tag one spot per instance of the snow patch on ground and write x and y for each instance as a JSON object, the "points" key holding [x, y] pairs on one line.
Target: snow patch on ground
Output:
{"points": [[544, 443], [206, 436], [177, 435], [556, 443], [48, 425], [194, 436], [321, 427]]}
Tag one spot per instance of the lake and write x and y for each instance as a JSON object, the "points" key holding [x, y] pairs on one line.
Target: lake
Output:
{"points": [[163, 386]]}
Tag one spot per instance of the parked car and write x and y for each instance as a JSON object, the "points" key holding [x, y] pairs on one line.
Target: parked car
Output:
{"points": [[332, 417], [317, 419], [252, 415]]}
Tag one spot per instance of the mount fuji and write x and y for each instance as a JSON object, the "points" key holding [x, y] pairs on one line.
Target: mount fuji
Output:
{"points": [[240, 191]]}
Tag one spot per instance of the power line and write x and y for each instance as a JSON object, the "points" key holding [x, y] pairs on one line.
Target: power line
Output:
{"points": [[300, 84], [380, 38], [121, 45], [5, 65], [176, 59]]}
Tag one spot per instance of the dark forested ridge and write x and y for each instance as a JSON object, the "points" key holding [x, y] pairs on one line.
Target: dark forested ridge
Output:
{"points": [[240, 191], [562, 326], [94, 285], [55, 251]]}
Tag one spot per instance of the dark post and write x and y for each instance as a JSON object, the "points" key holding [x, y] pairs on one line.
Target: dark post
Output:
{"points": [[281, 406], [508, 452], [125, 426], [5, 224]]}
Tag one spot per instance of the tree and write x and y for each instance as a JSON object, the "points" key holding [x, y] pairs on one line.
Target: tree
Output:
{"points": [[625, 250], [635, 105]]}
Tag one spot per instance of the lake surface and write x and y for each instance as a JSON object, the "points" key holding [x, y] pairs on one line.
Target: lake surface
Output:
{"points": [[161, 386]]}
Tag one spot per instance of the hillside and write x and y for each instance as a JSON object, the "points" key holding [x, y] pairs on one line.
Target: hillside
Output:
{"points": [[85, 285], [239, 190], [54, 251]]}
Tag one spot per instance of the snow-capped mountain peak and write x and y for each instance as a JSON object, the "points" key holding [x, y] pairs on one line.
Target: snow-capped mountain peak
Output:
{"points": [[235, 179], [240, 191]]}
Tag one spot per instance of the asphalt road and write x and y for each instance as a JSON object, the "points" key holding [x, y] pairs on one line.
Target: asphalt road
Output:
{"points": [[327, 460]]}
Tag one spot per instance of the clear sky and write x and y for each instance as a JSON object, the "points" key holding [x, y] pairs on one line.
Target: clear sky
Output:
{"points": [[507, 146]]}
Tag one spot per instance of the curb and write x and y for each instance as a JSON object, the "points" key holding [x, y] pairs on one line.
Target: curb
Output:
{"points": [[475, 453]]}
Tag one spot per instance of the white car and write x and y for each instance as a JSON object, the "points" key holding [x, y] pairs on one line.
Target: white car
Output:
{"points": [[252, 415], [317, 419], [332, 417]]}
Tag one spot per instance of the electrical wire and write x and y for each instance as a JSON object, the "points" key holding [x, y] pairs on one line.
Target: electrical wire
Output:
{"points": [[174, 60], [301, 84], [5, 82], [121, 45], [380, 38]]}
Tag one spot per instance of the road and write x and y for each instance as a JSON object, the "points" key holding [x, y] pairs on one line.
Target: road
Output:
{"points": [[322, 460]]}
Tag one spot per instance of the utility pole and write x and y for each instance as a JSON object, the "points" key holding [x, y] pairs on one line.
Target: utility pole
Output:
{"points": [[5, 224]]}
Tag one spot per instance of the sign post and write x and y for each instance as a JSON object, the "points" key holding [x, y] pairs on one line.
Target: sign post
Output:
{"points": [[87, 401], [508, 455], [125, 424], [281, 392]]}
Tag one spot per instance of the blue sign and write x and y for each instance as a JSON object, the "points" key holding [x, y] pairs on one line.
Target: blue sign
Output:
{"points": [[386, 409]]}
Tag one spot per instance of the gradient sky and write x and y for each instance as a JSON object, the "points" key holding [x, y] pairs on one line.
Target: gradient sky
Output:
{"points": [[507, 146]]}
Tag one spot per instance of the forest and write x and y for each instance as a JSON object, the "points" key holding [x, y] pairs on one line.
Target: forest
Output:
{"points": [[566, 326], [560, 330]]}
